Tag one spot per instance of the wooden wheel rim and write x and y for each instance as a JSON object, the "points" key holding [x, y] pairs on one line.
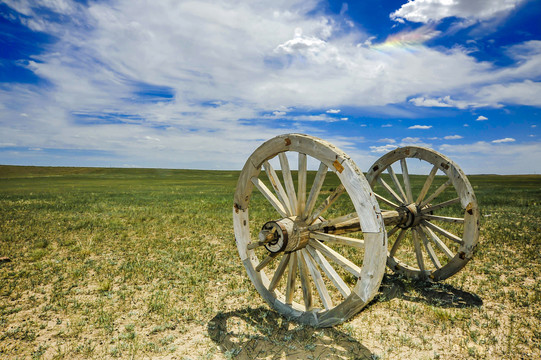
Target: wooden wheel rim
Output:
{"points": [[371, 223], [466, 198]]}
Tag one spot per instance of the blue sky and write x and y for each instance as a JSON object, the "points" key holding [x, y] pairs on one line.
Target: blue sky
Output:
{"points": [[201, 84]]}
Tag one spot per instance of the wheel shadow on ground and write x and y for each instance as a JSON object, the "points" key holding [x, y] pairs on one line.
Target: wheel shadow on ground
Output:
{"points": [[261, 333], [435, 294]]}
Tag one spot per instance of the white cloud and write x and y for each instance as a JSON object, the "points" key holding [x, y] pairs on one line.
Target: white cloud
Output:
{"points": [[516, 158], [504, 140], [382, 149], [333, 111], [526, 92], [452, 137], [224, 66], [386, 125], [481, 118], [420, 127], [443, 102], [426, 11], [386, 140], [411, 140]]}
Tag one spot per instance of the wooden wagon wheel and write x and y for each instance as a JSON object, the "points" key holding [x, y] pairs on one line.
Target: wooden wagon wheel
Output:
{"points": [[285, 230], [432, 220]]}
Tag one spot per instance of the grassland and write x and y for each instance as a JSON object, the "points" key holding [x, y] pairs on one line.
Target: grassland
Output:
{"points": [[142, 263]]}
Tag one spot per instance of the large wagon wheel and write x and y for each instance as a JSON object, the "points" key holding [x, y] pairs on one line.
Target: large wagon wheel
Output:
{"points": [[285, 230], [432, 220]]}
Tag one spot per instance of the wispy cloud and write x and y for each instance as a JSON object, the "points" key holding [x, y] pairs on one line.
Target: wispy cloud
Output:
{"points": [[504, 140], [420, 127]]}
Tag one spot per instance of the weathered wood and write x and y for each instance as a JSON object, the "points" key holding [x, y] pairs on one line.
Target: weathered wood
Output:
{"points": [[444, 219], [430, 209], [301, 193], [329, 271], [406, 179], [318, 280], [336, 239], [443, 232], [279, 272], [336, 257], [427, 184], [340, 189], [418, 251], [396, 182], [266, 261], [332, 222], [438, 242], [391, 191], [269, 196], [305, 282], [469, 224], [291, 277], [288, 180], [386, 201], [370, 222], [397, 242], [429, 250], [278, 188], [314, 191], [436, 193]]}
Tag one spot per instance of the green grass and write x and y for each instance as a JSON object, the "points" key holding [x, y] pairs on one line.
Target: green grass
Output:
{"points": [[122, 263]]}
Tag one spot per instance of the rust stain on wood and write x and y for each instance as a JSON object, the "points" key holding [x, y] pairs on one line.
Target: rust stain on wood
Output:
{"points": [[338, 166], [469, 208], [288, 142]]}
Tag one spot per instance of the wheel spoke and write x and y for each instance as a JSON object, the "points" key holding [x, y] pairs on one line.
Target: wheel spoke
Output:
{"points": [[288, 180], [436, 193], [388, 202], [269, 196], [326, 204], [335, 239], [431, 254], [392, 231], [277, 185], [406, 178], [397, 242], [336, 257], [265, 261], [418, 251], [438, 242], [318, 280], [314, 191], [441, 205], [279, 272], [443, 232], [396, 182], [301, 193], [427, 184], [445, 219], [329, 271], [291, 277], [391, 191], [305, 282]]}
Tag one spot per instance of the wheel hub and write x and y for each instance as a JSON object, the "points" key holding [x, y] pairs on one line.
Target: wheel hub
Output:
{"points": [[284, 235], [410, 216]]}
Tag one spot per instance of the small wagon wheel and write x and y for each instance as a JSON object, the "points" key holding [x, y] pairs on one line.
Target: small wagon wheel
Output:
{"points": [[432, 220], [296, 263]]}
